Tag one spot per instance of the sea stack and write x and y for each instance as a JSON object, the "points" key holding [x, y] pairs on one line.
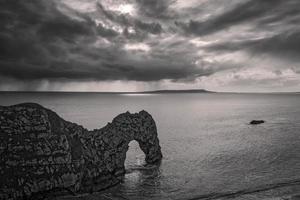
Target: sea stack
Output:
{"points": [[256, 122], [41, 152]]}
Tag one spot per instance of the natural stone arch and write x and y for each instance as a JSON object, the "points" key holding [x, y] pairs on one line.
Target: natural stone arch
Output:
{"points": [[139, 127], [65, 155]]}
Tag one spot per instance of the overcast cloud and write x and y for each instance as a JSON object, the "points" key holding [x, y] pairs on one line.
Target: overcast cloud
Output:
{"points": [[114, 45]]}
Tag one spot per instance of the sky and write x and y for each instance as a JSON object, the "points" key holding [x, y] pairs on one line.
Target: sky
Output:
{"points": [[136, 45]]}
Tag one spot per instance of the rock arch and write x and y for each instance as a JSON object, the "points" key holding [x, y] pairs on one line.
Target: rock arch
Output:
{"points": [[41, 152]]}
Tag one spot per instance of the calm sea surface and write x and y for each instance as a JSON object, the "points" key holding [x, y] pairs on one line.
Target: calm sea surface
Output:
{"points": [[210, 151]]}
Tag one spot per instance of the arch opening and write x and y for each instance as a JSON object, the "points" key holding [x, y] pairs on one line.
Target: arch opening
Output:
{"points": [[135, 157]]}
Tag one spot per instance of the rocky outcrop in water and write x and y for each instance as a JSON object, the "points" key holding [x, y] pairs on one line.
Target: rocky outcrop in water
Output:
{"points": [[41, 152], [256, 122]]}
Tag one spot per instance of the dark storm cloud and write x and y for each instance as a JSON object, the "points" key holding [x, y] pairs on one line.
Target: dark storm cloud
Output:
{"points": [[41, 18], [243, 12], [29, 27], [273, 29], [39, 41], [127, 21], [105, 32], [119, 18], [155, 8], [65, 28], [284, 45], [150, 40], [154, 28], [108, 71]]}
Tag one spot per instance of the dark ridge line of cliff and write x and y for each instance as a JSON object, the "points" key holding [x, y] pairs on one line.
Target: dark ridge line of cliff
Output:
{"points": [[177, 91], [238, 193]]}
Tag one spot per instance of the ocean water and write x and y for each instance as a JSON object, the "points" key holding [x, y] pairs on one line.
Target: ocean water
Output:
{"points": [[210, 150]]}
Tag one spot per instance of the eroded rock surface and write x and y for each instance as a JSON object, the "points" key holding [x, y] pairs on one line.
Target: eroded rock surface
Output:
{"points": [[40, 152]]}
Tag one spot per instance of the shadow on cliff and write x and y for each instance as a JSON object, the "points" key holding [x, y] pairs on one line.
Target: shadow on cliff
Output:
{"points": [[41, 152]]}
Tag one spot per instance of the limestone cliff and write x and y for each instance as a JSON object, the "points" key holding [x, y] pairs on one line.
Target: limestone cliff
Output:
{"points": [[41, 152]]}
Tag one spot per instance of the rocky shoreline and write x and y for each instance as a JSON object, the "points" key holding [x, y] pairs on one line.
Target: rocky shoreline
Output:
{"points": [[42, 153]]}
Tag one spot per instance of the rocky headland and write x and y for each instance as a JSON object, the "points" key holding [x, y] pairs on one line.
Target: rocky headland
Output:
{"points": [[42, 153]]}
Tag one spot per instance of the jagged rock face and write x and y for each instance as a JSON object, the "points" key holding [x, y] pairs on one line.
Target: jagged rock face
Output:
{"points": [[39, 151]]}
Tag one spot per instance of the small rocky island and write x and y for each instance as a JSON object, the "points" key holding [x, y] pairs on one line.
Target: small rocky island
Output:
{"points": [[42, 153], [256, 122]]}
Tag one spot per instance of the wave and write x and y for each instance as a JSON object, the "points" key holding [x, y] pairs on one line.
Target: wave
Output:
{"points": [[238, 193]]}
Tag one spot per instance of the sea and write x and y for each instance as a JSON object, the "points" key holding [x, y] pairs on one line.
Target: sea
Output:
{"points": [[210, 151]]}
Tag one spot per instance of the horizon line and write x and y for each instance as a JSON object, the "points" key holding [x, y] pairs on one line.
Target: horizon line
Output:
{"points": [[166, 91]]}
